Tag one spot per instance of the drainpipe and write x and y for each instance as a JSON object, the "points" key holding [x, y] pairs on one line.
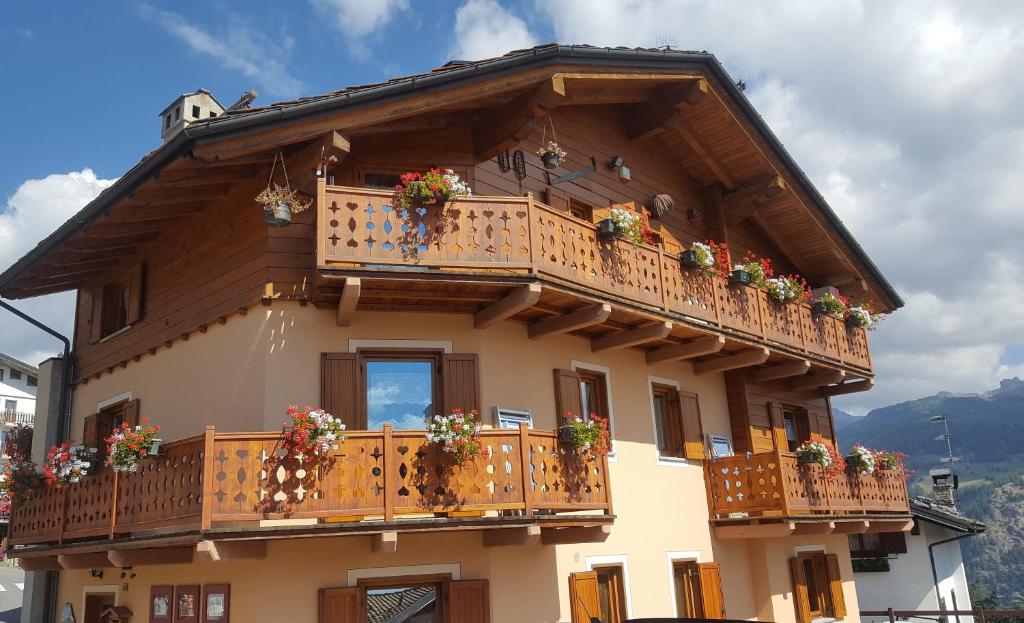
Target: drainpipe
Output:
{"points": [[935, 574], [63, 426]]}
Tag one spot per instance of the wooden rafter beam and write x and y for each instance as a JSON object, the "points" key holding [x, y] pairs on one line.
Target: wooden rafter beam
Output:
{"points": [[527, 535], [162, 196], [306, 163], [649, 119], [144, 214], [781, 371], [851, 387], [415, 124], [632, 337], [581, 534], [818, 379], [694, 348], [191, 179], [572, 321], [98, 261], [742, 359], [787, 247], [90, 245], [689, 136], [68, 273], [740, 204], [505, 126], [109, 229], [349, 300], [520, 299]]}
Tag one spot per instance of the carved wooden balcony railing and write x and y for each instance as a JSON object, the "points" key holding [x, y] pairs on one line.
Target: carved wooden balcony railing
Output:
{"points": [[360, 228], [17, 417], [216, 477], [774, 483]]}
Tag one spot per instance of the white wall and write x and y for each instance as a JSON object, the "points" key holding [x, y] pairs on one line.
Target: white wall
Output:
{"points": [[908, 584]]}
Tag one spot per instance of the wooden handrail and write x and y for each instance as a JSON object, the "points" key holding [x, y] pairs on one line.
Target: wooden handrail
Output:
{"points": [[361, 227], [248, 477]]}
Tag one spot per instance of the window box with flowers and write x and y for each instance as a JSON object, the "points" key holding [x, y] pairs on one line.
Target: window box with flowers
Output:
{"points": [[457, 434], [626, 225], [787, 289], [129, 445], [20, 478], [435, 188], [862, 315], [588, 435], [68, 464], [312, 432], [889, 461], [829, 304], [861, 460], [710, 258], [821, 454]]}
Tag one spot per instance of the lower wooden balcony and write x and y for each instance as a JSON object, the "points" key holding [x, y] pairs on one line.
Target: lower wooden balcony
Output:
{"points": [[243, 484], [770, 494], [479, 243]]}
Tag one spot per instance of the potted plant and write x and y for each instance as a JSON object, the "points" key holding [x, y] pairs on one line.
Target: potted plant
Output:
{"points": [[279, 204], [787, 289], [862, 315], [861, 460], [624, 225], [68, 464], [740, 276], [311, 431], [709, 257], [433, 188], [891, 461], [20, 478], [458, 434], [829, 303], [551, 155], [751, 271], [588, 435], [825, 455], [129, 445]]}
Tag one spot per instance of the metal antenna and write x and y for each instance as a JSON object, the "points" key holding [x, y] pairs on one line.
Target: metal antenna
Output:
{"points": [[935, 419], [667, 42]]}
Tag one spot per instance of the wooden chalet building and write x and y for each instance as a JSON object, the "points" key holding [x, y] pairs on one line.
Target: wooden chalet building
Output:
{"points": [[192, 312]]}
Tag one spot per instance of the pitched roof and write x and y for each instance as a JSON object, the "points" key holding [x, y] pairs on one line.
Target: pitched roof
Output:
{"points": [[242, 121], [12, 362], [950, 517]]}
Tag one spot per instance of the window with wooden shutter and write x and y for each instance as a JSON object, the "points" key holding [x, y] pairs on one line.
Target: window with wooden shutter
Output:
{"points": [[693, 430], [90, 431], [341, 605], [135, 292], [557, 199], [668, 421], [567, 394], [131, 413], [469, 601], [461, 382], [95, 299], [801, 597], [712, 599], [583, 596], [341, 389], [835, 583], [893, 542]]}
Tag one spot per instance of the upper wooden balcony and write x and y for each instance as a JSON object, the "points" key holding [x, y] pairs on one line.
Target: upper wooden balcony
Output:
{"points": [[771, 494], [360, 232], [235, 484]]}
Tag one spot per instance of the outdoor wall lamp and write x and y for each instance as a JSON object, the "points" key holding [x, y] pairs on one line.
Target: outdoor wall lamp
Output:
{"points": [[619, 164]]}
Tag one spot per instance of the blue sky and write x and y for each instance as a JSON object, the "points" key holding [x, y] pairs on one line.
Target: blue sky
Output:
{"points": [[904, 113]]}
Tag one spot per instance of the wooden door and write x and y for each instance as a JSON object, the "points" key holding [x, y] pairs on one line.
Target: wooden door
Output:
{"points": [[469, 601], [341, 605], [583, 599]]}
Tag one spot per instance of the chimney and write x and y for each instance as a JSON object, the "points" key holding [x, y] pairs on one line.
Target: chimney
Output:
{"points": [[944, 486], [188, 108]]}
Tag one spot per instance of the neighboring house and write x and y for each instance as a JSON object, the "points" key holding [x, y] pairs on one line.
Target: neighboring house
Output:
{"points": [[194, 313], [903, 571], [18, 381]]}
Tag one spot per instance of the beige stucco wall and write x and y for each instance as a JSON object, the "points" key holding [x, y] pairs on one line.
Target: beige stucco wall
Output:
{"points": [[242, 376]]}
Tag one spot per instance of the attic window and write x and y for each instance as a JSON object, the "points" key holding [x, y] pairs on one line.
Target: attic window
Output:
{"points": [[196, 112], [177, 113], [115, 309], [213, 114], [168, 121]]}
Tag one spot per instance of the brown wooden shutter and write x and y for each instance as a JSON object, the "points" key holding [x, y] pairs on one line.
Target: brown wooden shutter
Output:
{"points": [[461, 382], [131, 413], [341, 390], [341, 605], [778, 420], [711, 590], [835, 585], [893, 542], [567, 394], [583, 598], [96, 321], [557, 199], [469, 601], [814, 427], [693, 430], [800, 598], [90, 431], [135, 279], [672, 427]]}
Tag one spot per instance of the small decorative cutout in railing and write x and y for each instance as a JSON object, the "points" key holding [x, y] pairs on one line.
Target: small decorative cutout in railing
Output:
{"points": [[250, 477], [361, 227], [776, 482]]}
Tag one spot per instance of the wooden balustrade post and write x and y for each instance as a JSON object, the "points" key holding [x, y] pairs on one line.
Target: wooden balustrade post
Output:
{"points": [[113, 504], [526, 477], [209, 454], [607, 484], [63, 515], [786, 488], [321, 221], [389, 501], [661, 276], [530, 213]]}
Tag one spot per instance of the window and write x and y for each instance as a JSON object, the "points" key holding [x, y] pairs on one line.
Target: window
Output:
{"points": [[686, 580], [115, 309], [668, 421], [816, 597], [407, 599], [99, 426], [798, 428], [117, 304], [400, 390], [1, 374], [593, 393], [877, 544], [15, 375], [167, 121], [11, 406], [196, 112], [32, 381], [404, 603], [581, 210], [817, 586], [381, 181], [611, 594]]}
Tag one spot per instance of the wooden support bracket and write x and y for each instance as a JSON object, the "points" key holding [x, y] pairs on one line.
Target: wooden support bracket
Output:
{"points": [[521, 299], [817, 527], [40, 563], [858, 526], [694, 348], [151, 556], [584, 534], [215, 551], [384, 542], [570, 322], [847, 388], [738, 205], [781, 371], [505, 126], [755, 531], [898, 525], [818, 379], [529, 535], [632, 337], [92, 560], [742, 359], [348, 301]]}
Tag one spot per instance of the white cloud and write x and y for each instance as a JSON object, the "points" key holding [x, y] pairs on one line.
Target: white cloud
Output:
{"points": [[906, 116], [484, 28], [35, 210], [358, 19], [238, 48]]}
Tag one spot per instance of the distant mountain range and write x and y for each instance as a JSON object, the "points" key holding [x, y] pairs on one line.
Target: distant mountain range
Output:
{"points": [[987, 431]]}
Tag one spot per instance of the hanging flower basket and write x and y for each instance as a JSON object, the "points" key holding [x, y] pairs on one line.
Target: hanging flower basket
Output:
{"points": [[587, 435], [279, 202], [129, 445], [606, 229], [19, 479], [68, 464], [551, 155]]}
